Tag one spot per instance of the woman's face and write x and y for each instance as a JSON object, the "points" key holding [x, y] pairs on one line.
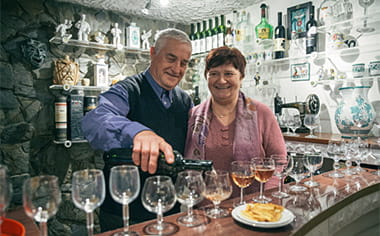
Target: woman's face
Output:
{"points": [[224, 83]]}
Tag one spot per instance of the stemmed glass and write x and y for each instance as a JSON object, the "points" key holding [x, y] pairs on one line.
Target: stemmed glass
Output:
{"points": [[298, 172], [264, 169], [361, 154], [88, 193], [313, 162], [335, 150], [218, 189], [5, 192], [242, 175], [158, 196], [189, 188], [294, 124], [284, 163], [41, 199], [365, 4], [351, 151], [311, 121], [124, 188], [285, 118]]}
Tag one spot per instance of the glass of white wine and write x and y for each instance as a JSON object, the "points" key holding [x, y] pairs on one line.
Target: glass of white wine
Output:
{"points": [[189, 187], [264, 168], [124, 188], [242, 175], [41, 199], [88, 193], [158, 196], [218, 189]]}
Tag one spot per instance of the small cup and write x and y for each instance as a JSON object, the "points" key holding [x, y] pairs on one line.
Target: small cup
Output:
{"points": [[358, 70], [374, 68], [85, 82]]}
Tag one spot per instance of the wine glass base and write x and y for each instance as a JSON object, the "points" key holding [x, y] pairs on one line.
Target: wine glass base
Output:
{"points": [[129, 233], [193, 220], [280, 195], [365, 30], [310, 183], [262, 199], [166, 228], [311, 136], [336, 174], [297, 188], [293, 134], [238, 203], [217, 212]]}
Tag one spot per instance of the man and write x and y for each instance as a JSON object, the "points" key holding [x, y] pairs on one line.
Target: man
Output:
{"points": [[146, 111]]}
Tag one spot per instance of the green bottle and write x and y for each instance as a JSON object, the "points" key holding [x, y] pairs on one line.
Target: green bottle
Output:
{"points": [[264, 30], [221, 31], [215, 32], [192, 36], [209, 36]]}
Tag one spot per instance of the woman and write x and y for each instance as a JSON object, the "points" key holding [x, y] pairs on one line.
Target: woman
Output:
{"points": [[230, 126]]}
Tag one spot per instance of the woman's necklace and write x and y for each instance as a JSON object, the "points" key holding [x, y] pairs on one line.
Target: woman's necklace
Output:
{"points": [[223, 116]]}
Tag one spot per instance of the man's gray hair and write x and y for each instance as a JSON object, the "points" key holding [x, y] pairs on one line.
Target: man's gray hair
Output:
{"points": [[170, 33]]}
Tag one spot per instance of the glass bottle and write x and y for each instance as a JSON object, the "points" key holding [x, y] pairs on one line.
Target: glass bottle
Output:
{"points": [[279, 35], [264, 30], [240, 29], [203, 38], [215, 32], [192, 36], [198, 35], [209, 36], [221, 31], [196, 99], [311, 33], [325, 12], [229, 38]]}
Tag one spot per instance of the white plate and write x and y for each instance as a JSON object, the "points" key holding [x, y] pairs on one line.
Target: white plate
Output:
{"points": [[286, 218]]}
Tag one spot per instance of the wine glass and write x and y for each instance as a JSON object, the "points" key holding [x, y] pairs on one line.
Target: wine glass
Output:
{"points": [[298, 172], [158, 196], [311, 121], [363, 152], [335, 150], [285, 119], [41, 199], [284, 163], [218, 189], [5, 192], [124, 188], [365, 4], [264, 169], [294, 124], [313, 162], [242, 175], [88, 193], [189, 188]]}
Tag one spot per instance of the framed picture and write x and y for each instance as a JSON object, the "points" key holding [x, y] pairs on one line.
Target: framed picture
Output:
{"points": [[300, 72], [298, 16]]}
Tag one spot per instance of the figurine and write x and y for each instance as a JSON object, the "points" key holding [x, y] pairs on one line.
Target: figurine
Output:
{"points": [[100, 37], [34, 52], [115, 31], [145, 39], [84, 28], [66, 71], [257, 78], [62, 30]]}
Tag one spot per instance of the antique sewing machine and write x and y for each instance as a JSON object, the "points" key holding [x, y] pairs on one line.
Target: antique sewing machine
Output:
{"points": [[310, 106]]}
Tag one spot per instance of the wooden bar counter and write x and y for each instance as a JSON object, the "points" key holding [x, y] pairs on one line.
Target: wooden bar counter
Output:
{"points": [[333, 207]]}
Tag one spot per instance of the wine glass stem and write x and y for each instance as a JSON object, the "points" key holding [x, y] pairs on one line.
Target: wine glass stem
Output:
{"points": [[190, 211], [280, 185], [241, 195], [90, 224], [43, 229], [261, 190], [126, 217], [311, 177]]}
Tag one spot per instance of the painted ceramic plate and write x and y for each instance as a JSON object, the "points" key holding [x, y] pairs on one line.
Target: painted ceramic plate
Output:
{"points": [[286, 218]]}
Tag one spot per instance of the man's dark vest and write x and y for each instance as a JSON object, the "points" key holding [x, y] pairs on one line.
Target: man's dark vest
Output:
{"points": [[171, 124]]}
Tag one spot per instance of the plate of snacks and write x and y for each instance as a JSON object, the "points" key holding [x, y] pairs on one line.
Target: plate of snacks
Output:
{"points": [[263, 215]]}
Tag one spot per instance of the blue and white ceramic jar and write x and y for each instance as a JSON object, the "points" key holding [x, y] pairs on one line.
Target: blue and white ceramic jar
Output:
{"points": [[354, 115]]}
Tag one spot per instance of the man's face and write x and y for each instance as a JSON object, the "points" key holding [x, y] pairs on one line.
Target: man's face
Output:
{"points": [[169, 64]]}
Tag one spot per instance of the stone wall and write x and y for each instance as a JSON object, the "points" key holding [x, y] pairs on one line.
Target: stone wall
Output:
{"points": [[27, 104]]}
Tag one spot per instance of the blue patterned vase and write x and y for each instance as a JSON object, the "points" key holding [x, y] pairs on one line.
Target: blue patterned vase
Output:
{"points": [[354, 115]]}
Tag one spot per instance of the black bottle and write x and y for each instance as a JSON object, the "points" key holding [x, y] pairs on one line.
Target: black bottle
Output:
{"points": [[279, 35], [311, 33], [196, 98]]}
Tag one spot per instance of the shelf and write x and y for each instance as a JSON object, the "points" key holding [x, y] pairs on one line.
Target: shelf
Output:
{"points": [[357, 81], [98, 46], [68, 143], [67, 87]]}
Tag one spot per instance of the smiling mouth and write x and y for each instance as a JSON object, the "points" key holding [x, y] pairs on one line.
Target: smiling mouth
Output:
{"points": [[217, 87]]}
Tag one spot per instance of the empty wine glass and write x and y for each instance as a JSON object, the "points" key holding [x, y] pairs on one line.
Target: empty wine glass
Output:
{"points": [[189, 188], [285, 119], [264, 169], [335, 150], [5, 192], [88, 193], [284, 163], [242, 175], [313, 161], [298, 172], [311, 121], [363, 152], [158, 196], [294, 124], [218, 189], [365, 4], [124, 188], [41, 199]]}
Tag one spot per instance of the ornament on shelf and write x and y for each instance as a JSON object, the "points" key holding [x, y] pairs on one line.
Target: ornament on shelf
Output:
{"points": [[83, 28], [99, 37], [145, 39], [116, 39], [101, 72], [133, 36], [66, 71], [62, 30], [34, 52]]}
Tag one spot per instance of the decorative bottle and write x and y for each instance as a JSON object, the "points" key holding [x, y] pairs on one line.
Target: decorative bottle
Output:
{"points": [[311, 33], [279, 35], [264, 30]]}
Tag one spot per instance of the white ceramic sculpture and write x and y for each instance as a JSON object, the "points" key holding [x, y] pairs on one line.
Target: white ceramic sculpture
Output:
{"points": [[145, 39], [84, 28], [116, 32]]}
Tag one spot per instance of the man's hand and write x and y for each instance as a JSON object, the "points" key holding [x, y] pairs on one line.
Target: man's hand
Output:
{"points": [[146, 148]]}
